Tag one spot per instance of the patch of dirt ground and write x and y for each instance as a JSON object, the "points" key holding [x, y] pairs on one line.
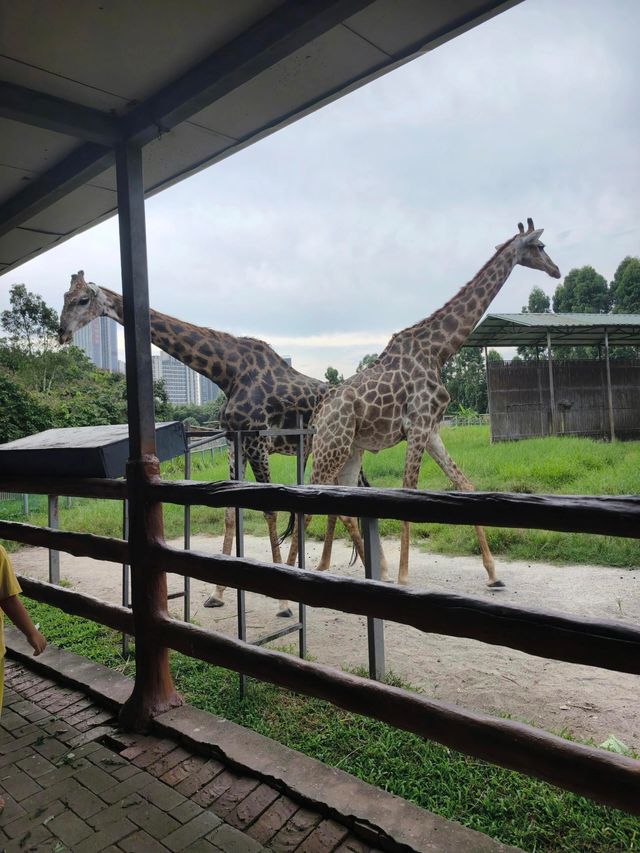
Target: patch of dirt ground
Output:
{"points": [[587, 702]]}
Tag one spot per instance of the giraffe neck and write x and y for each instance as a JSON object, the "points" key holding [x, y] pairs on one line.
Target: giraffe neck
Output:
{"points": [[204, 350], [443, 332]]}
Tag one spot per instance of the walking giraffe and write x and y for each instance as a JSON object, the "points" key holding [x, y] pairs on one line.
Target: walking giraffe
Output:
{"points": [[262, 390], [401, 397]]}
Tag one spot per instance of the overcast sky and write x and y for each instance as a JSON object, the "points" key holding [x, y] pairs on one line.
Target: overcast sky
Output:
{"points": [[364, 217]]}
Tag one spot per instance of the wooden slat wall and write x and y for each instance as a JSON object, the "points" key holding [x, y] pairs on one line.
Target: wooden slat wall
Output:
{"points": [[519, 399]]}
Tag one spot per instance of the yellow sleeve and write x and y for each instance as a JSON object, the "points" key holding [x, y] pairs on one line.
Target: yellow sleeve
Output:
{"points": [[8, 582]]}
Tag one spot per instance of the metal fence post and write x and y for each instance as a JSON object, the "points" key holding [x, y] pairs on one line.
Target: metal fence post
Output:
{"points": [[375, 627], [54, 556], [302, 615], [187, 536], [239, 513]]}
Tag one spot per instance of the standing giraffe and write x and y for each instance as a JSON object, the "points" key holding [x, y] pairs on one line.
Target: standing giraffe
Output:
{"points": [[401, 397], [262, 390]]}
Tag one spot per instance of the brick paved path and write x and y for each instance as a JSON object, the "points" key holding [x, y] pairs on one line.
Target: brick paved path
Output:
{"points": [[71, 781]]}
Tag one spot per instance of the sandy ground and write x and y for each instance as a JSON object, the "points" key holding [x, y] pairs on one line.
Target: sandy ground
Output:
{"points": [[589, 703]]}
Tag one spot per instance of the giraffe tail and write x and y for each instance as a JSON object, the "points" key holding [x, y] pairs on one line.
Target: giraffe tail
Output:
{"points": [[362, 483], [286, 533]]}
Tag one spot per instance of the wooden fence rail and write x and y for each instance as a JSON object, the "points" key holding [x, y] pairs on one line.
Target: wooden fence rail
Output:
{"points": [[91, 487], [78, 544], [604, 776], [79, 604], [610, 645], [613, 516]]}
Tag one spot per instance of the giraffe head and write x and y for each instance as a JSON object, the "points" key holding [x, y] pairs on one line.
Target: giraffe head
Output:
{"points": [[531, 251], [83, 302]]}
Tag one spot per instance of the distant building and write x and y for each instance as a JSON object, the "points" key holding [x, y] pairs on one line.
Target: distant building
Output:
{"points": [[99, 340], [287, 358], [208, 389], [182, 384]]}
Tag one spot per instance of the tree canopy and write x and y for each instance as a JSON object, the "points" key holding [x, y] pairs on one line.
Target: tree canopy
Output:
{"points": [[366, 361], [625, 287], [332, 376], [539, 302], [30, 323], [583, 291]]}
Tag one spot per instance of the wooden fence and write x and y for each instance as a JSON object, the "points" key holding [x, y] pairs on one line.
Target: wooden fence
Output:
{"points": [[606, 777], [520, 400]]}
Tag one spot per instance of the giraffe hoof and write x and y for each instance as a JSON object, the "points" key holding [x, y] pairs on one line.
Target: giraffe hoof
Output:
{"points": [[213, 601], [496, 585], [285, 613]]}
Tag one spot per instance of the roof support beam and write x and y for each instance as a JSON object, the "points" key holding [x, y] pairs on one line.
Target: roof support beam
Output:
{"points": [[75, 170], [52, 113], [272, 39]]}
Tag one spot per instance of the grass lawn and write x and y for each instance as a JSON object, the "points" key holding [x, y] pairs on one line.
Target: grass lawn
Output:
{"points": [[506, 805], [546, 465]]}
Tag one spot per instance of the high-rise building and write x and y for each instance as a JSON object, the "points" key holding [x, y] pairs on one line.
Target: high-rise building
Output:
{"points": [[99, 340], [208, 389], [182, 383]]}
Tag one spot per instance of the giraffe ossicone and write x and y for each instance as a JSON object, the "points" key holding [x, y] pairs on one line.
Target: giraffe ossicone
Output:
{"points": [[401, 397]]}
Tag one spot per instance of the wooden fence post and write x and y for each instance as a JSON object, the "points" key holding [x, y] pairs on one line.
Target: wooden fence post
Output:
{"points": [[153, 691]]}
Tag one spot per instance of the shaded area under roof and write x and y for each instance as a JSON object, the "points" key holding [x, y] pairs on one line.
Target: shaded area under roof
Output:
{"points": [[517, 330], [192, 82]]}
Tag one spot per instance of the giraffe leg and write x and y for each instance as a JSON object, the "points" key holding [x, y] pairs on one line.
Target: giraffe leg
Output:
{"points": [[258, 456], [412, 461], [216, 599], [325, 559], [438, 453]]}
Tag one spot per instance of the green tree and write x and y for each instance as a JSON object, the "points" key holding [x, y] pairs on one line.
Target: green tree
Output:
{"points": [[21, 413], [465, 379], [583, 291], [366, 361], [30, 323], [625, 287], [162, 406], [332, 376], [539, 302], [494, 357]]}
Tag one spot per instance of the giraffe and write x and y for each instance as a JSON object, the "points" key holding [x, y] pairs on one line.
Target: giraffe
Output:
{"points": [[400, 396], [262, 390]]}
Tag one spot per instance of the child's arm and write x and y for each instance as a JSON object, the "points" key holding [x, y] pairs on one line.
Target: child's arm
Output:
{"points": [[15, 610]]}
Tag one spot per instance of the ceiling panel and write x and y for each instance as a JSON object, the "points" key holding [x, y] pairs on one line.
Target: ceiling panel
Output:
{"points": [[19, 244], [305, 76], [117, 47], [30, 148], [12, 180], [181, 150], [396, 25], [71, 212]]}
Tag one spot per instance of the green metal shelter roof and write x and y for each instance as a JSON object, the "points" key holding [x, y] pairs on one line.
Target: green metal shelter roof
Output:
{"points": [[515, 330]]}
